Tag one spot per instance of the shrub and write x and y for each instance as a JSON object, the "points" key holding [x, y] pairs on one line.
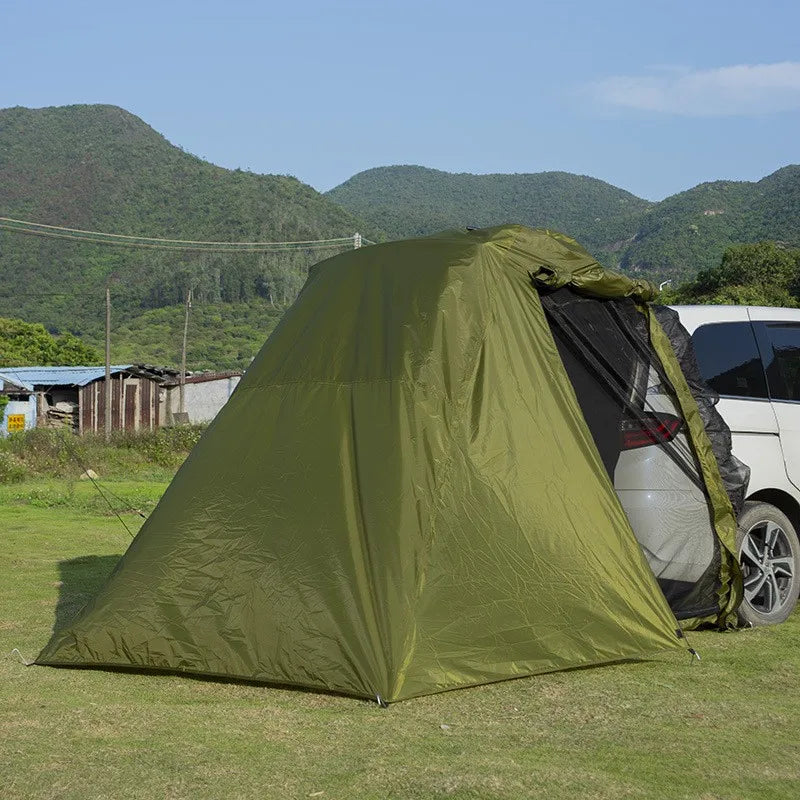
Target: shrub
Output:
{"points": [[42, 450], [11, 470], [45, 452], [166, 447]]}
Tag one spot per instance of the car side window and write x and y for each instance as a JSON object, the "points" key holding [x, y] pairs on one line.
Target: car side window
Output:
{"points": [[729, 361], [784, 370]]}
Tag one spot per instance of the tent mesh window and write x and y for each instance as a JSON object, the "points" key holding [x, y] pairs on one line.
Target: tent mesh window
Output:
{"points": [[734, 473], [630, 409]]}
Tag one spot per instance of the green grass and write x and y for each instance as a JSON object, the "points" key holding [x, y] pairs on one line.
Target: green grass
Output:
{"points": [[726, 727], [103, 499]]}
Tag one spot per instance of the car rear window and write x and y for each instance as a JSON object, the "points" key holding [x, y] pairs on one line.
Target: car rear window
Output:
{"points": [[728, 358], [784, 369]]}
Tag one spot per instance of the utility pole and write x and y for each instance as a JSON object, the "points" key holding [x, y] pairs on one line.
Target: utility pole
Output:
{"points": [[356, 241], [108, 364], [182, 385]]}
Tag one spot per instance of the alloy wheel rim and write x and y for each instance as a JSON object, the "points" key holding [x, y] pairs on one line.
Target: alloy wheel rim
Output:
{"points": [[767, 567]]}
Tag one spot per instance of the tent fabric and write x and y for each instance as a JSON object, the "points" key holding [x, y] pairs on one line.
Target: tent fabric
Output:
{"points": [[734, 473], [618, 377], [401, 497], [730, 591], [587, 278]]}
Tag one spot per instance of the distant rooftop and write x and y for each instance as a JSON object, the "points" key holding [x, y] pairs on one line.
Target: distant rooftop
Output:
{"points": [[204, 377], [29, 377]]}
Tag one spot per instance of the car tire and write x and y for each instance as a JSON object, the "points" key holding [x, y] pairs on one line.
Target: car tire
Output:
{"points": [[769, 552]]}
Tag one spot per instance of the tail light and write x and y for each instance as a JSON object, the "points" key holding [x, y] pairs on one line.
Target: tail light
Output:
{"points": [[648, 429]]}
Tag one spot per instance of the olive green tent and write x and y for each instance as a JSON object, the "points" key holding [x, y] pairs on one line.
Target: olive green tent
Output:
{"points": [[401, 497]]}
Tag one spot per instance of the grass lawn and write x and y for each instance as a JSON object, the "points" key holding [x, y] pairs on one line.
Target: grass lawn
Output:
{"points": [[726, 727]]}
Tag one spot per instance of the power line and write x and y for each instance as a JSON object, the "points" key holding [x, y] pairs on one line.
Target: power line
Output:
{"points": [[230, 247], [47, 294], [160, 240], [151, 242]]}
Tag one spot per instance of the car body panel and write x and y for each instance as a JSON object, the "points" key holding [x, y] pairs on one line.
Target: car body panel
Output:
{"points": [[692, 317], [764, 455], [788, 416], [787, 412], [667, 511], [748, 416], [674, 530], [765, 433]]}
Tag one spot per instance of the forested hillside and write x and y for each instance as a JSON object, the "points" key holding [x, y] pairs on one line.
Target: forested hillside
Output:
{"points": [[412, 201], [26, 344], [102, 169], [674, 239], [220, 335], [690, 231]]}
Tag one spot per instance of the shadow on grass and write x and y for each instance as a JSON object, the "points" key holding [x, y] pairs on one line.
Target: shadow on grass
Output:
{"points": [[81, 580]]}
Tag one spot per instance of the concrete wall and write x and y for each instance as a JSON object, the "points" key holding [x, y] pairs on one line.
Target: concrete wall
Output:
{"points": [[26, 407], [204, 399]]}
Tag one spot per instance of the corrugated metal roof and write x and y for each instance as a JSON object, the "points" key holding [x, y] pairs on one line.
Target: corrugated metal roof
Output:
{"points": [[203, 377], [10, 382], [28, 377]]}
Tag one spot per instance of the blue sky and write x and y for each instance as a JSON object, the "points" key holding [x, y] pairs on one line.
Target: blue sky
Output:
{"points": [[655, 97]]}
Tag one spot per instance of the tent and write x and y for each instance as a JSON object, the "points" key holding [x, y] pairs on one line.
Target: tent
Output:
{"points": [[402, 495]]}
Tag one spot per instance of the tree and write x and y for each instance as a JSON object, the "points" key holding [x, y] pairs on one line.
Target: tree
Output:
{"points": [[25, 344], [760, 274]]}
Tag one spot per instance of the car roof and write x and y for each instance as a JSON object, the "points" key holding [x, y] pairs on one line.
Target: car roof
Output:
{"points": [[693, 317]]}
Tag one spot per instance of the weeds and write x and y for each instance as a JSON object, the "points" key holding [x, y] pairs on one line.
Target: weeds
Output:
{"points": [[48, 453], [11, 469]]}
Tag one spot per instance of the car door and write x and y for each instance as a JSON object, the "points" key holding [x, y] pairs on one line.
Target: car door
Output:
{"points": [[778, 335]]}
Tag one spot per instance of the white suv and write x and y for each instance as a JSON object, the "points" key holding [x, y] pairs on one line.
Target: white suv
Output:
{"points": [[751, 357]]}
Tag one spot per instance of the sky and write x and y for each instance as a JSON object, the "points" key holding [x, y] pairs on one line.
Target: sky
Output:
{"points": [[654, 97]]}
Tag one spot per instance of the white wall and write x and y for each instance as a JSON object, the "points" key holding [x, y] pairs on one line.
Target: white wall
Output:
{"points": [[203, 400], [26, 407]]}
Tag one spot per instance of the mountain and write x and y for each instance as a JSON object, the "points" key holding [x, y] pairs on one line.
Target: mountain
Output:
{"points": [[671, 239], [690, 231], [100, 168], [413, 201], [220, 335]]}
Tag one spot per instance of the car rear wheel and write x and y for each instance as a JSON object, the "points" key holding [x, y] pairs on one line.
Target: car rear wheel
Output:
{"points": [[769, 553]]}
